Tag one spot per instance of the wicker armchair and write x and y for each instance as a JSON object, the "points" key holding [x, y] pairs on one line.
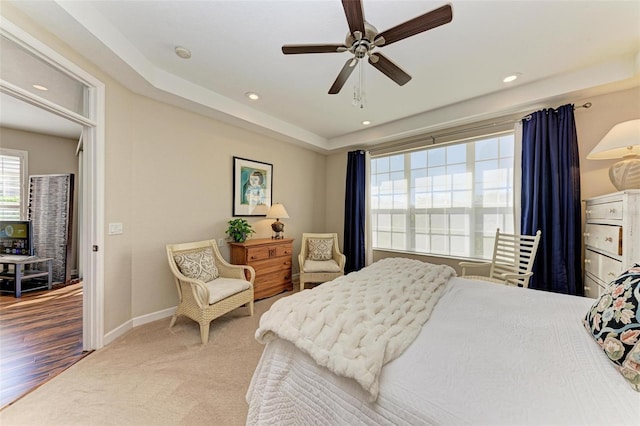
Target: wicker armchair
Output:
{"points": [[513, 257], [207, 285], [323, 268]]}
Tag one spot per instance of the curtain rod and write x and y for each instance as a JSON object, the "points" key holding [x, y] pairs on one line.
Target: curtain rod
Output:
{"points": [[408, 143], [585, 105]]}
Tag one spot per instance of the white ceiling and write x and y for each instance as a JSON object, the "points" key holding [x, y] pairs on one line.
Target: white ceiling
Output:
{"points": [[562, 49]]}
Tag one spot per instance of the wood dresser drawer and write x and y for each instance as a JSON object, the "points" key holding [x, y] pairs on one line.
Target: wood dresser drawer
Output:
{"points": [[268, 266], [272, 261], [604, 237], [602, 267], [254, 254], [612, 210], [593, 287]]}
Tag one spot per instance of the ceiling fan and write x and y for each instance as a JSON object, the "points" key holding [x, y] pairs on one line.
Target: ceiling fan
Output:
{"points": [[363, 38]]}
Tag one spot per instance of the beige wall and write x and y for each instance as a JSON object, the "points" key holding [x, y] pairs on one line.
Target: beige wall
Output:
{"points": [[48, 155], [181, 186], [591, 125], [168, 176]]}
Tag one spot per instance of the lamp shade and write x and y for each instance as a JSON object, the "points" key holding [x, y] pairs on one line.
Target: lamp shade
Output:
{"points": [[622, 140], [277, 211]]}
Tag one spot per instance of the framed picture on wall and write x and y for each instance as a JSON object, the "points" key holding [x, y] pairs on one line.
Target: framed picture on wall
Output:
{"points": [[252, 184]]}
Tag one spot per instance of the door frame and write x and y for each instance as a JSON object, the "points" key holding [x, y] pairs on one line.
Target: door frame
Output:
{"points": [[91, 163]]}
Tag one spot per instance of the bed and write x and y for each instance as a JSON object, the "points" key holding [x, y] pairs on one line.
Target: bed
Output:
{"points": [[486, 354]]}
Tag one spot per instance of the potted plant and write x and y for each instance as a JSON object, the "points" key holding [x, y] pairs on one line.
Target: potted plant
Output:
{"points": [[239, 230]]}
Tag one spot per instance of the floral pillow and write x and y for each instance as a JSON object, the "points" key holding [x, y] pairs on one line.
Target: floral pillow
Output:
{"points": [[613, 322], [198, 264], [320, 248]]}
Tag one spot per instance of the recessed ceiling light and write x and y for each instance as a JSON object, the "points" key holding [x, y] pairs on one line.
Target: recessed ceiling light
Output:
{"points": [[366, 122], [40, 87], [183, 52], [512, 77], [252, 95]]}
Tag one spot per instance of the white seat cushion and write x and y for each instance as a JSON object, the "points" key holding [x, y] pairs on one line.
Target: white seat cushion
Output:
{"points": [[320, 266], [221, 288]]}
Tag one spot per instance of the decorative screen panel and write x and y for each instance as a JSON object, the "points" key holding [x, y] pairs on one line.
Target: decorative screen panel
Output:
{"points": [[50, 211]]}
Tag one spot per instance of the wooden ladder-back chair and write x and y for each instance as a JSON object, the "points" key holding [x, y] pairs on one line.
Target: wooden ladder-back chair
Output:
{"points": [[207, 285], [513, 257]]}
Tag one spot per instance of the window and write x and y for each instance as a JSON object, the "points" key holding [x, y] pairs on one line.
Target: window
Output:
{"points": [[444, 200], [13, 184]]}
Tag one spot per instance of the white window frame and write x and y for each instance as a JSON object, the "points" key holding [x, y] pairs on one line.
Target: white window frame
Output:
{"points": [[409, 211], [24, 176]]}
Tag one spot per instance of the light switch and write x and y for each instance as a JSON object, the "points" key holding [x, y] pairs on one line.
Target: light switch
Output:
{"points": [[220, 242], [115, 228]]}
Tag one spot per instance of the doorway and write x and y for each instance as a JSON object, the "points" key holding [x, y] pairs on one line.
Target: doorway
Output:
{"points": [[91, 194]]}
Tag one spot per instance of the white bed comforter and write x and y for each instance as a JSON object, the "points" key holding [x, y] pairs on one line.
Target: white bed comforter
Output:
{"points": [[359, 322], [489, 355]]}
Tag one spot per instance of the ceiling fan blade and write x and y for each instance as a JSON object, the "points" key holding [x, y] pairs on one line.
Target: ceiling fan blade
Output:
{"points": [[388, 68], [354, 14], [435, 18], [346, 71], [293, 49]]}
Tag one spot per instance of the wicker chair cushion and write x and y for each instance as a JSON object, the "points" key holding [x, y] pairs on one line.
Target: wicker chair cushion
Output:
{"points": [[197, 264], [311, 266], [320, 248], [222, 288]]}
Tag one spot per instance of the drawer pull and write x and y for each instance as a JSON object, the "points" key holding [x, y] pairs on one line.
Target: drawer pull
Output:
{"points": [[588, 212], [611, 274], [587, 261], [609, 239], [612, 210], [586, 235]]}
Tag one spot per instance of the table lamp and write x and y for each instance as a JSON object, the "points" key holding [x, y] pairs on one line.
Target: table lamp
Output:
{"points": [[622, 141], [276, 212]]}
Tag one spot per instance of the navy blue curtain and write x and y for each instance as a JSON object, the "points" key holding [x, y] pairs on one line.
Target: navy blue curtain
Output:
{"points": [[551, 198], [354, 212]]}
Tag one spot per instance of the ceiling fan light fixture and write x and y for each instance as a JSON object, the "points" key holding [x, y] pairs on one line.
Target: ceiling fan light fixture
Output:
{"points": [[183, 52], [252, 95]]}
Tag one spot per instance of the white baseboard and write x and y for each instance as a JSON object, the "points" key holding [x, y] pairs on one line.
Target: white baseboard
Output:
{"points": [[117, 332], [135, 322], [145, 319]]}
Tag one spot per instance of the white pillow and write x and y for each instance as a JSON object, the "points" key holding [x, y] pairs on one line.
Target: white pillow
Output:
{"points": [[198, 264], [320, 248]]}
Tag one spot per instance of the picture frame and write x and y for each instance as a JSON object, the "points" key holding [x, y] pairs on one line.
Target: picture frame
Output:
{"points": [[252, 187]]}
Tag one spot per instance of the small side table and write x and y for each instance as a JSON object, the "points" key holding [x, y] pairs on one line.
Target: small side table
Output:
{"points": [[23, 270]]}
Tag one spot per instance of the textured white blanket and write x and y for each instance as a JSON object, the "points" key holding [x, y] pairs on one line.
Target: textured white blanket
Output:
{"points": [[355, 324]]}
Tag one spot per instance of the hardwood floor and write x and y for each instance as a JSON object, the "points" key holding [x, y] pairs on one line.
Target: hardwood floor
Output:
{"points": [[40, 336]]}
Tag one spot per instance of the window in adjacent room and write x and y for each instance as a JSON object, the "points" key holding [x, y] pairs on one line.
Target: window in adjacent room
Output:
{"points": [[13, 184], [444, 200]]}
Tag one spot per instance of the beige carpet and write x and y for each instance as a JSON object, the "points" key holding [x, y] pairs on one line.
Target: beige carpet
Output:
{"points": [[154, 376]]}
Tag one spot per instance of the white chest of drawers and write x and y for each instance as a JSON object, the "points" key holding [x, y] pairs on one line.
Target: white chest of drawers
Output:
{"points": [[611, 238]]}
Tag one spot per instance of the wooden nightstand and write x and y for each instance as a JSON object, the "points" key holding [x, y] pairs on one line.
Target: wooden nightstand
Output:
{"points": [[272, 260]]}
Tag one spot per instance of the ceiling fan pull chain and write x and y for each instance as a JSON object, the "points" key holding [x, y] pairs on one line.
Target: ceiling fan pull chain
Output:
{"points": [[358, 88]]}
